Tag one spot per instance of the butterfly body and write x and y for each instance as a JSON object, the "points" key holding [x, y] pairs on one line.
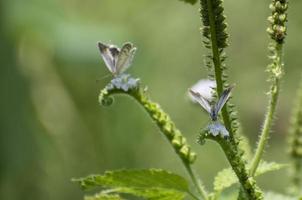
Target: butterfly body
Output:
{"points": [[213, 114]]}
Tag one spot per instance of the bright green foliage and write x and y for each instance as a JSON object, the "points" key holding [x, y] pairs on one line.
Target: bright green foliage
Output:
{"points": [[227, 177], [103, 196], [265, 167], [148, 183], [163, 120], [224, 179], [146, 178], [190, 1]]}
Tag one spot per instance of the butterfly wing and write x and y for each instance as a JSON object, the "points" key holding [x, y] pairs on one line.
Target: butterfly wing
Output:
{"points": [[223, 99], [205, 87], [125, 57], [201, 100], [107, 57]]}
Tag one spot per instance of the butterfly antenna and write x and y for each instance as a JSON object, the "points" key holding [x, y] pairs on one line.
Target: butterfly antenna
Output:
{"points": [[103, 77]]}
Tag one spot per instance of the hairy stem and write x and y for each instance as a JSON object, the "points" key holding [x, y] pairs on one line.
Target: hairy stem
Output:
{"points": [[274, 94], [217, 67], [196, 181], [168, 128], [277, 32], [214, 30]]}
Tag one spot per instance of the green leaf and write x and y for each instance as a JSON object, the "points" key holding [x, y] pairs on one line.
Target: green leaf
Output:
{"points": [[190, 1], [148, 183], [265, 167], [224, 179], [227, 177], [275, 196]]}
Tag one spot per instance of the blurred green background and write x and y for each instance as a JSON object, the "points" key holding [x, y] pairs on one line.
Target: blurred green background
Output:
{"points": [[52, 127]]}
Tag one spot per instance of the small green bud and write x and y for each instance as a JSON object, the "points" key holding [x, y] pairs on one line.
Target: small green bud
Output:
{"points": [[176, 143], [184, 151], [275, 16], [271, 19], [169, 131], [282, 17], [280, 32], [270, 31], [285, 7], [278, 6], [192, 157], [272, 7]]}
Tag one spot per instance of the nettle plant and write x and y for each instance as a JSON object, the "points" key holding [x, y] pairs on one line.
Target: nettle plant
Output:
{"points": [[158, 184]]}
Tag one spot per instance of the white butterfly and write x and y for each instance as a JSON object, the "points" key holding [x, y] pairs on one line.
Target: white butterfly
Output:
{"points": [[117, 60], [214, 109], [215, 127]]}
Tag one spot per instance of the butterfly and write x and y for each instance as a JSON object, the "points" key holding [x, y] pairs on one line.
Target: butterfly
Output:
{"points": [[216, 127], [117, 60]]}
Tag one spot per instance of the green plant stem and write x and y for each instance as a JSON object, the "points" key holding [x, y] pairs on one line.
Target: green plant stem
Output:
{"points": [[217, 68], [241, 171], [274, 94], [199, 186], [167, 127]]}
